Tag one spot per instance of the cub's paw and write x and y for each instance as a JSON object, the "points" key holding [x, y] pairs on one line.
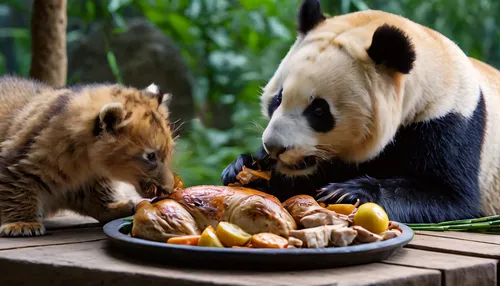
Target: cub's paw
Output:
{"points": [[123, 207], [366, 190], [231, 171], [22, 229], [118, 209]]}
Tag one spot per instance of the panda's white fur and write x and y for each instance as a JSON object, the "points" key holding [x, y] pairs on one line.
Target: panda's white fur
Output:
{"points": [[332, 61], [370, 102]]}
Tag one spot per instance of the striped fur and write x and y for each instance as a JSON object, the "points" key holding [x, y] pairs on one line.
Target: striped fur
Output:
{"points": [[65, 149]]}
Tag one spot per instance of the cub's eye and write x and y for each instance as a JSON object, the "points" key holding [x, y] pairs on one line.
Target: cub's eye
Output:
{"points": [[149, 156]]}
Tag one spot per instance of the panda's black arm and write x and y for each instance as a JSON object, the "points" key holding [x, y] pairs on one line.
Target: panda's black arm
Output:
{"points": [[408, 200], [258, 160]]}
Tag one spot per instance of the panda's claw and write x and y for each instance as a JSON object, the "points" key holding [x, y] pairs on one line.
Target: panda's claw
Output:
{"points": [[347, 192], [343, 197]]}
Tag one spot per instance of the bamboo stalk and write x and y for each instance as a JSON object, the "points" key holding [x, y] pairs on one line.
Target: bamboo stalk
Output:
{"points": [[482, 219], [489, 224]]}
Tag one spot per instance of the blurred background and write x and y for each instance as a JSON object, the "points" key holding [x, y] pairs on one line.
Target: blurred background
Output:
{"points": [[214, 56]]}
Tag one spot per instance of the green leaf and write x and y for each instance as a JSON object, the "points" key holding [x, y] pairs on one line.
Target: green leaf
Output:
{"points": [[129, 219], [270, 7], [15, 33], [3, 64], [360, 5], [115, 5], [126, 228], [253, 40], [252, 4], [119, 21], [114, 66], [181, 25], [278, 29], [91, 12], [345, 6]]}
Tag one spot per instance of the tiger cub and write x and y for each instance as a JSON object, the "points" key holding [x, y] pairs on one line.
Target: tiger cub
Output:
{"points": [[64, 148]]}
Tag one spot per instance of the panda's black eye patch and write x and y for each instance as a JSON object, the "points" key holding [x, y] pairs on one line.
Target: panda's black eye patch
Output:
{"points": [[318, 115], [275, 102]]}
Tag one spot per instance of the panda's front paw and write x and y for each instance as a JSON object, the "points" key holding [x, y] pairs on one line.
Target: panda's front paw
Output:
{"points": [[231, 171], [364, 189]]}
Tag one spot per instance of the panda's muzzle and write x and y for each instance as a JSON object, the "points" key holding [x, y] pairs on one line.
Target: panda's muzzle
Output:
{"points": [[274, 150], [305, 163]]}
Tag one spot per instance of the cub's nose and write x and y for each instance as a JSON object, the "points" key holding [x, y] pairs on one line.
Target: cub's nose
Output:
{"points": [[274, 149]]}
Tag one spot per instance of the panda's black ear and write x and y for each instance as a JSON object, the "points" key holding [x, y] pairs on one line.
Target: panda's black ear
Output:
{"points": [[392, 48], [309, 15]]}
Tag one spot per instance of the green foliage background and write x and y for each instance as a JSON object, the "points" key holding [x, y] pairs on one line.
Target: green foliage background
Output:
{"points": [[233, 48]]}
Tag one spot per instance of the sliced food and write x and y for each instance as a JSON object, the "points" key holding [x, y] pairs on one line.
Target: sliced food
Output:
{"points": [[232, 235], [209, 238], [268, 240]]}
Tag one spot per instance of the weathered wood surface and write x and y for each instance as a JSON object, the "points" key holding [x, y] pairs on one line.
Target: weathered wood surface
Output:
{"points": [[75, 252], [56, 237], [477, 237], [456, 269], [94, 258], [455, 246]]}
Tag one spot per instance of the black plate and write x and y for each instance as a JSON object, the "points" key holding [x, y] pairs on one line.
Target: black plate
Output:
{"points": [[252, 258]]}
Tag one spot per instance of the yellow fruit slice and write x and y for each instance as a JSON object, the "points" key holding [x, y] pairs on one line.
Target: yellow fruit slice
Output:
{"points": [[209, 238], [185, 239], [231, 235], [268, 240], [345, 209], [372, 217]]}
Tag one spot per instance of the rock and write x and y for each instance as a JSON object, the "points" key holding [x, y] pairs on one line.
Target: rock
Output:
{"points": [[144, 55]]}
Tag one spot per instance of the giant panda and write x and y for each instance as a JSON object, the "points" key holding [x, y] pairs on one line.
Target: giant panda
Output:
{"points": [[372, 106]]}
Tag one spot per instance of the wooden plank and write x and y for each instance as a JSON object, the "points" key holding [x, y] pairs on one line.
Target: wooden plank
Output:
{"points": [[54, 237], [93, 263], [477, 237], [455, 246], [456, 269]]}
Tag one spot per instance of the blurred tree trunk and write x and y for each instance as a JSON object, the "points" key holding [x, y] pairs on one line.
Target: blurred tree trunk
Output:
{"points": [[49, 62]]}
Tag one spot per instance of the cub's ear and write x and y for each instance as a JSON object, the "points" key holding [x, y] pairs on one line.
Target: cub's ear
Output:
{"points": [[111, 117], [309, 15], [165, 99], [392, 48], [154, 91]]}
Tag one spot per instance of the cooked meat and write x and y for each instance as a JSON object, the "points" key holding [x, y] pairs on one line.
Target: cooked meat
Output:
{"points": [[391, 233], [294, 242], [324, 236], [247, 175], [315, 237], [393, 225], [302, 206], [162, 220], [366, 236], [251, 210], [342, 236], [321, 218]]}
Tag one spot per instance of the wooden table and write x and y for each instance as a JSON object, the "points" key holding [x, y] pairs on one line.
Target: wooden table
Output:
{"points": [[75, 252]]}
